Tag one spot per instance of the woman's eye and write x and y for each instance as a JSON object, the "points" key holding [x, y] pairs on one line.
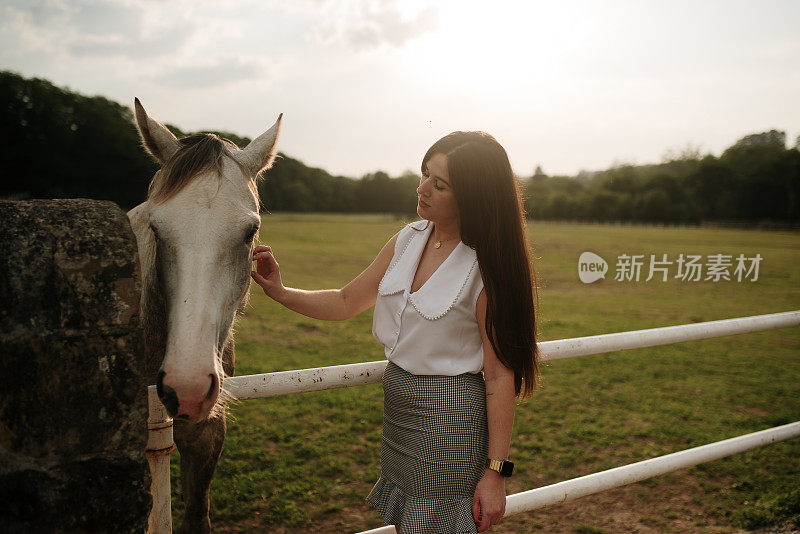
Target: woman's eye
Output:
{"points": [[437, 186]]}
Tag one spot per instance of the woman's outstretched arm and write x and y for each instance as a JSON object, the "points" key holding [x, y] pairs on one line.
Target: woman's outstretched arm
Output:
{"points": [[327, 304]]}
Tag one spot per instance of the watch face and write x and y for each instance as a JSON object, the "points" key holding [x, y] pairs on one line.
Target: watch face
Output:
{"points": [[506, 468]]}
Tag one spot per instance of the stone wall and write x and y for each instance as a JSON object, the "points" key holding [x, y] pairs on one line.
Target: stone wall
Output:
{"points": [[73, 401]]}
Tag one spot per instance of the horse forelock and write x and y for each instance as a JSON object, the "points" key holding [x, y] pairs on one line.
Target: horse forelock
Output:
{"points": [[198, 153]]}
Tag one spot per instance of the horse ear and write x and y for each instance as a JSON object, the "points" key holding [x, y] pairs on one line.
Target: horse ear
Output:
{"points": [[156, 138], [260, 153]]}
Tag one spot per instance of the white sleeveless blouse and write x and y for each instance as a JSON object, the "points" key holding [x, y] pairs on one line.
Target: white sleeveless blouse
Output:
{"points": [[432, 331]]}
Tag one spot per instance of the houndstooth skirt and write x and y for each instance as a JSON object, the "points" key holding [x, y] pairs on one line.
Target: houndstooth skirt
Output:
{"points": [[433, 452]]}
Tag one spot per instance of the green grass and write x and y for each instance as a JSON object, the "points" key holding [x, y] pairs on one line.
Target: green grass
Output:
{"points": [[306, 461]]}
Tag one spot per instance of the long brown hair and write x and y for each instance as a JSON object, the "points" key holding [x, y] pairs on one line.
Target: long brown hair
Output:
{"points": [[493, 224]]}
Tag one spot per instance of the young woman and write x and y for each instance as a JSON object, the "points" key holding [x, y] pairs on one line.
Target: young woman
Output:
{"points": [[453, 296]]}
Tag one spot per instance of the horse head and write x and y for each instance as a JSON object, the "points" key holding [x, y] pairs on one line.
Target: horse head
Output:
{"points": [[202, 217]]}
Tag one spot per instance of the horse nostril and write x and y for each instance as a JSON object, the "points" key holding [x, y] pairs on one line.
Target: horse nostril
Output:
{"points": [[167, 395], [212, 389]]}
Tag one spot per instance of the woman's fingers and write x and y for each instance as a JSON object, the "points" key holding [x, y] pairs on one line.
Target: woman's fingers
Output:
{"points": [[263, 254], [497, 516], [261, 248], [268, 268], [258, 278], [482, 518], [267, 273], [485, 519], [266, 263]]}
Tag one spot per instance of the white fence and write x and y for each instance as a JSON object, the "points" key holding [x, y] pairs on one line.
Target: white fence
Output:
{"points": [[286, 382]]}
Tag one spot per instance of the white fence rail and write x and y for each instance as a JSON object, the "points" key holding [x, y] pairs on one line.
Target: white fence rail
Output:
{"points": [[338, 376], [569, 490]]}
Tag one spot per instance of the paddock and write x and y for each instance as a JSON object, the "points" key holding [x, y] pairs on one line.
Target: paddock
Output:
{"points": [[323, 378]]}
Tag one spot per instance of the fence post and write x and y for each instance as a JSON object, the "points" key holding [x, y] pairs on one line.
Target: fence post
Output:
{"points": [[159, 447]]}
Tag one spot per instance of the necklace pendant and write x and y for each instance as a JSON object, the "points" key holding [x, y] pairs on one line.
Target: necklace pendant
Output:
{"points": [[438, 244]]}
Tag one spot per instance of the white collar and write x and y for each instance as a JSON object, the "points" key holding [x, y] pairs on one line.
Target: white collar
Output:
{"points": [[441, 291]]}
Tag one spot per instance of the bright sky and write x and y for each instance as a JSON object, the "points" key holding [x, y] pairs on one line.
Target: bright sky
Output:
{"points": [[370, 85]]}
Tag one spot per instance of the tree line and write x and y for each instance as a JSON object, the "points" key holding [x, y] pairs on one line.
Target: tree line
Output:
{"points": [[757, 179], [57, 143]]}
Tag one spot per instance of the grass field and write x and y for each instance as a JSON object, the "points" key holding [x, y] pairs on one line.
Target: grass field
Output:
{"points": [[305, 462]]}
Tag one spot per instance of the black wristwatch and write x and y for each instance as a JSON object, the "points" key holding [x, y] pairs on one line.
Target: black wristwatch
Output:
{"points": [[504, 467]]}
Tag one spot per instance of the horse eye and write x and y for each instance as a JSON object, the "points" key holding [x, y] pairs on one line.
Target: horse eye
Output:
{"points": [[250, 235]]}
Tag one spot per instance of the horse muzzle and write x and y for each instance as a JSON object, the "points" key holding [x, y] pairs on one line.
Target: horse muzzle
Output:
{"points": [[188, 401]]}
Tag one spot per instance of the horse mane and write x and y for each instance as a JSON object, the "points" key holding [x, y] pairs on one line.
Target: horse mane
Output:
{"points": [[198, 153]]}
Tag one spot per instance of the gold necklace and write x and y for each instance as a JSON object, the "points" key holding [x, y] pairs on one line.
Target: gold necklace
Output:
{"points": [[438, 243]]}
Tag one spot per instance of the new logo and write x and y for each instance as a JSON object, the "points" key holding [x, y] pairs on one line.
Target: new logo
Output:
{"points": [[591, 267]]}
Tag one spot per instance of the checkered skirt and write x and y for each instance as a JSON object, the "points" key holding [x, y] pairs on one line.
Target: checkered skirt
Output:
{"points": [[433, 452]]}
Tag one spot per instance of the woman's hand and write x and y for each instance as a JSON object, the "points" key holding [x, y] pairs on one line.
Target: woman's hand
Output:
{"points": [[268, 272], [489, 501]]}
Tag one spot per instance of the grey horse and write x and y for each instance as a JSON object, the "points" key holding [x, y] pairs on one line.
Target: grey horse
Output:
{"points": [[195, 234]]}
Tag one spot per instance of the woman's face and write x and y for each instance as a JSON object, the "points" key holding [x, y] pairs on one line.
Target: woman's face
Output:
{"points": [[436, 200]]}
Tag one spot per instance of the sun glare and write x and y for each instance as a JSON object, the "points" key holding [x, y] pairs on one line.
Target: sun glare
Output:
{"points": [[501, 46]]}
